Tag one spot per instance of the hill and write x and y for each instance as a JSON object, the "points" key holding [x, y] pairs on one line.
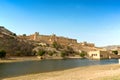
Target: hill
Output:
{"points": [[110, 47], [36, 44], [12, 44]]}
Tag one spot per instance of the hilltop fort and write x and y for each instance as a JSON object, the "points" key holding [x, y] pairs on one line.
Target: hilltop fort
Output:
{"points": [[49, 39], [52, 45]]}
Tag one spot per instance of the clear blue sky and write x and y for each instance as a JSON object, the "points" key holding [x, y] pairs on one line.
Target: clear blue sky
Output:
{"points": [[96, 21]]}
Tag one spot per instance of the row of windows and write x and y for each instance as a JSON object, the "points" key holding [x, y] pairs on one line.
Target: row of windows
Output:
{"points": [[94, 54]]}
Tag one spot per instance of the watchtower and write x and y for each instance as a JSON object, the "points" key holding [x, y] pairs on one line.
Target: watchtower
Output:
{"points": [[36, 35]]}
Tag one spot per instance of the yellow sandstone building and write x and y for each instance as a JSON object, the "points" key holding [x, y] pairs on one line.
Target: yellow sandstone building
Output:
{"points": [[98, 54]]}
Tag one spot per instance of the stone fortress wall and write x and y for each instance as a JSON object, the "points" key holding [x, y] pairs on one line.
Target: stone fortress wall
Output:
{"points": [[87, 44], [49, 39]]}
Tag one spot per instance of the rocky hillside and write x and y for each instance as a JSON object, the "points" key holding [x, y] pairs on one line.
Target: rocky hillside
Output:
{"points": [[12, 45], [5, 31], [17, 46]]}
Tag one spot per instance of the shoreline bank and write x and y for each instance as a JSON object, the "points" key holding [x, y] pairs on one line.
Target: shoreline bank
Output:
{"points": [[21, 59], [18, 59]]}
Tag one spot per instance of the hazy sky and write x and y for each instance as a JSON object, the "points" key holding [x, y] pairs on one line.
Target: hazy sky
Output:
{"points": [[96, 21]]}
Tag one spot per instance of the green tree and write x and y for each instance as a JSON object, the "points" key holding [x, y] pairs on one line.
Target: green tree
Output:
{"points": [[24, 34], [70, 50], [2, 54], [56, 45], [115, 52], [63, 53], [82, 54], [41, 52], [14, 34]]}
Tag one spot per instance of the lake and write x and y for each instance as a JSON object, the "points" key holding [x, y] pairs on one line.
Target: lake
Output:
{"points": [[30, 67]]}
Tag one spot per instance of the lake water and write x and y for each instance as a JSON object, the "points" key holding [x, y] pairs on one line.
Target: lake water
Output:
{"points": [[28, 67]]}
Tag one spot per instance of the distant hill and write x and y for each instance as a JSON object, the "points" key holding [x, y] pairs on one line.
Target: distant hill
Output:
{"points": [[112, 47]]}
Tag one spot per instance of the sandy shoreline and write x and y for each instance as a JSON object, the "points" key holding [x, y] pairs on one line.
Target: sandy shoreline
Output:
{"points": [[97, 72]]}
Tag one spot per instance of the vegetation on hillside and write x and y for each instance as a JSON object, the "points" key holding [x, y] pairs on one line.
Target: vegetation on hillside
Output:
{"points": [[83, 54], [2, 54], [63, 54], [56, 45], [41, 52], [15, 47], [115, 52]]}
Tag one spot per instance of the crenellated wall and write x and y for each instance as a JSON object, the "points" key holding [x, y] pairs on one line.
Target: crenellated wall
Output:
{"points": [[87, 44], [51, 38]]}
